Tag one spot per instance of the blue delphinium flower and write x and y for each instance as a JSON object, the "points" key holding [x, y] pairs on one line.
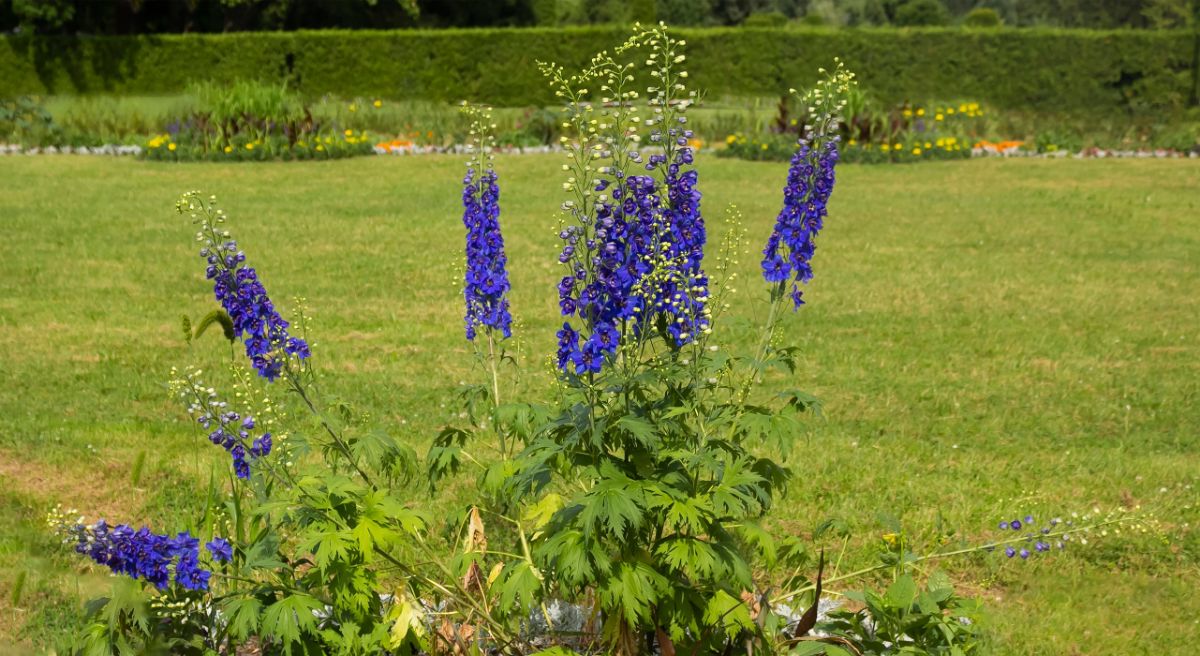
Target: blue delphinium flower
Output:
{"points": [[487, 285], [640, 258], [792, 244], [142, 554], [239, 435], [221, 550], [237, 288]]}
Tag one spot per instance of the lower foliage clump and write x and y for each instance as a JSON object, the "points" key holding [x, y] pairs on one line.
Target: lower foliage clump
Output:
{"points": [[627, 514]]}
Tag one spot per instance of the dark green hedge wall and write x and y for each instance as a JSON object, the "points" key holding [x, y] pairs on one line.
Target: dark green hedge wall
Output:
{"points": [[1007, 68]]}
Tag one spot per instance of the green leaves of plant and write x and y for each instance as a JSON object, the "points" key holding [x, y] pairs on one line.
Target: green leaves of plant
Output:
{"points": [[289, 618]]}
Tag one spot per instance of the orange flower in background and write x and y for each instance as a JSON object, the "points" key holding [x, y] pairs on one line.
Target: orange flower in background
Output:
{"points": [[395, 144]]}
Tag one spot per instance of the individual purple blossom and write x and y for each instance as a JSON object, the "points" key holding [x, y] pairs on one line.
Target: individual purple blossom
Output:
{"points": [[221, 550], [486, 277]]}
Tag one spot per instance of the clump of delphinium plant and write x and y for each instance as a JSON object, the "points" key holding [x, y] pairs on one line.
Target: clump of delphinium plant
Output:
{"points": [[634, 499]]}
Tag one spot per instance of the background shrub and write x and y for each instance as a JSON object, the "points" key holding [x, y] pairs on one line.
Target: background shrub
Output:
{"points": [[1029, 69], [982, 17], [918, 13]]}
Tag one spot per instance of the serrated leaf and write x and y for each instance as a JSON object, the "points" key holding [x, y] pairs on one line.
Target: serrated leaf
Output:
{"points": [[728, 613], [539, 514], [612, 506], [243, 614], [290, 618], [631, 590], [641, 430], [520, 586]]}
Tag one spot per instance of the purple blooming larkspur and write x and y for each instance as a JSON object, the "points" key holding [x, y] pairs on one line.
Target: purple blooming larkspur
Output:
{"points": [[142, 554], [792, 243], [790, 248], [240, 435], [641, 259], [486, 278], [237, 288]]}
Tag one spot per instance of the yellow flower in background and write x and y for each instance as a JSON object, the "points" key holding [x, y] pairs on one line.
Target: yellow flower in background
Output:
{"points": [[349, 133], [940, 142], [730, 139], [171, 147], [907, 112], [229, 149], [920, 111], [928, 145], [916, 151], [378, 104], [249, 146], [939, 117], [320, 147], [884, 147], [852, 142], [354, 108], [764, 146], [890, 538], [962, 108], [896, 146], [950, 110]]}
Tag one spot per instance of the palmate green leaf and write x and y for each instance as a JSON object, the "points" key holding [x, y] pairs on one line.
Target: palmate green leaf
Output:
{"points": [[576, 561], [740, 492], [519, 587], [631, 590], [328, 544], [371, 536], [445, 456], [381, 452], [692, 557], [753, 534], [639, 429], [615, 505], [288, 619], [689, 515], [801, 401], [243, 614], [264, 553], [353, 588], [728, 613]]}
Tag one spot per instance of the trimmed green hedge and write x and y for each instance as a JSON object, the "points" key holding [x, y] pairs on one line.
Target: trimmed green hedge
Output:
{"points": [[1006, 68]]}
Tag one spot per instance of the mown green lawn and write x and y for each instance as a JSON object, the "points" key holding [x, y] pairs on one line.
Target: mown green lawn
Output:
{"points": [[990, 338]]}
